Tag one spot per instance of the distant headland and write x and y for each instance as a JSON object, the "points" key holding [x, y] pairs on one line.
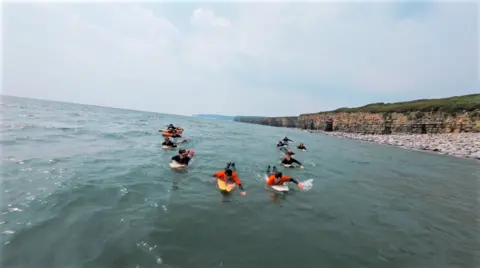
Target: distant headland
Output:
{"points": [[214, 116]]}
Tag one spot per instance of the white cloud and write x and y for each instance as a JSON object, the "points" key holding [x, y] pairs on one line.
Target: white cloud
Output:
{"points": [[204, 17], [270, 58]]}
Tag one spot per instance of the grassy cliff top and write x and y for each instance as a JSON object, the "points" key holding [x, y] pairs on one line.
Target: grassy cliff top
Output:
{"points": [[448, 105], [264, 117]]}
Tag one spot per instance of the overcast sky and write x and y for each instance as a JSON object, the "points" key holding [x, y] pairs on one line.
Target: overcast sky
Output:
{"points": [[240, 58]]}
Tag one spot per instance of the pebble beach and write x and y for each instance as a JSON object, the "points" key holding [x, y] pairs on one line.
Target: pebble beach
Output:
{"points": [[466, 145]]}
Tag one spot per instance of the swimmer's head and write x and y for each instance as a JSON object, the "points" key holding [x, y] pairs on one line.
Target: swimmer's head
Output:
{"points": [[278, 175]]}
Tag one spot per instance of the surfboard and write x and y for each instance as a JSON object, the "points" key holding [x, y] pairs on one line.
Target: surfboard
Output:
{"points": [[167, 147], [175, 164], [278, 188], [226, 187], [288, 166], [166, 130]]}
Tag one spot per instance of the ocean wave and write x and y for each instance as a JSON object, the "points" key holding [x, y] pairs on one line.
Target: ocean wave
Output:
{"points": [[100, 193]]}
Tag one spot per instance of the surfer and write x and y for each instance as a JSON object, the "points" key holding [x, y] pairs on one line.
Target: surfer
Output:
{"points": [[171, 128], [289, 160], [277, 178], [286, 140], [171, 132], [301, 147], [174, 130], [281, 144], [286, 151], [230, 176], [183, 157], [169, 143]]}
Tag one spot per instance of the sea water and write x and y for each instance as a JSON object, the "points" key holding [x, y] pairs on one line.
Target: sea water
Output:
{"points": [[86, 186]]}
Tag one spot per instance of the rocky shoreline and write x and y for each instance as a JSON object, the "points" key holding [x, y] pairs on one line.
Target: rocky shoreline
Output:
{"points": [[465, 145]]}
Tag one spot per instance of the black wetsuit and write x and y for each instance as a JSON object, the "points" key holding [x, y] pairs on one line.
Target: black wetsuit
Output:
{"points": [[290, 162], [182, 161], [302, 147], [280, 144], [286, 140], [169, 144]]}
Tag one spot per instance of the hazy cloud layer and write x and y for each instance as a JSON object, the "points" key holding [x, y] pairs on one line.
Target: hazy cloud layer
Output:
{"points": [[250, 59]]}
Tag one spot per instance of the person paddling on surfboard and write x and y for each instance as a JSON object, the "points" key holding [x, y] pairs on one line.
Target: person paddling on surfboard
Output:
{"points": [[281, 144], [183, 157], [289, 160], [301, 147], [286, 140], [169, 143], [229, 176], [277, 178], [173, 130], [286, 151]]}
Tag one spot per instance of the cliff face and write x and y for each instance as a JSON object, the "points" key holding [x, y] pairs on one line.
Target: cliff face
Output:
{"points": [[269, 121], [388, 123], [379, 123]]}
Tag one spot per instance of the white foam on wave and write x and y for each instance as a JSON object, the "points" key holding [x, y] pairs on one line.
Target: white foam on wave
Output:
{"points": [[307, 185]]}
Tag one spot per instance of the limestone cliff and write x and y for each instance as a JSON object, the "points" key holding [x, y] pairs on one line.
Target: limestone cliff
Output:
{"points": [[449, 115], [389, 123]]}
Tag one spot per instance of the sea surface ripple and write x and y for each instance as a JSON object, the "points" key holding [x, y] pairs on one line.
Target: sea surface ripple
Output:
{"points": [[87, 186]]}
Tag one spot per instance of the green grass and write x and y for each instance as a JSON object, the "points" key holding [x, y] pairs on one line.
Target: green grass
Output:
{"points": [[448, 105]]}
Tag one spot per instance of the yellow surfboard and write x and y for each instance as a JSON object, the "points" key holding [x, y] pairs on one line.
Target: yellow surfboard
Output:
{"points": [[226, 187]]}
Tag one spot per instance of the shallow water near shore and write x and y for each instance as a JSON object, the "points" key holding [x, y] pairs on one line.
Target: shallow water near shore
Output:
{"points": [[86, 186]]}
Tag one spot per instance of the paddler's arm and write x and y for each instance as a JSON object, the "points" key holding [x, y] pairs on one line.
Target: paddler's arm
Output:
{"points": [[296, 182], [237, 180], [241, 187], [298, 162]]}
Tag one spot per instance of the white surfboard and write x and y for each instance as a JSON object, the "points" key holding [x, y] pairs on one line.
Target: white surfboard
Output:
{"points": [[278, 188], [287, 166], [165, 147], [175, 164]]}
